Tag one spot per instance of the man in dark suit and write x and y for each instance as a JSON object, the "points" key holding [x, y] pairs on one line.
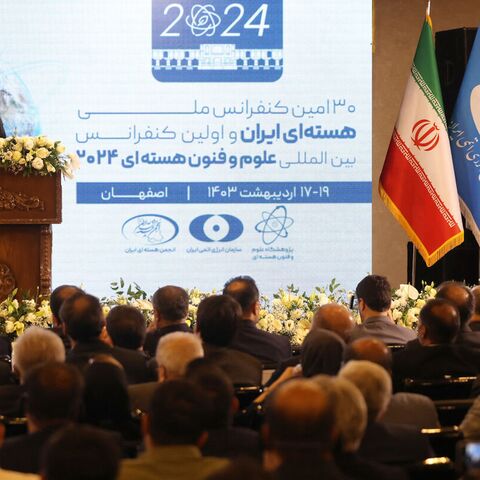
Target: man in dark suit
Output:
{"points": [[474, 323], [269, 348], [218, 317], [53, 397], [57, 297], [461, 296], [374, 295], [85, 325], [170, 310], [435, 354], [224, 440]]}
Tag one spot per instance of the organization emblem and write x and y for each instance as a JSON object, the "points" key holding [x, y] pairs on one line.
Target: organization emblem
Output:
{"points": [[216, 228], [150, 229]]}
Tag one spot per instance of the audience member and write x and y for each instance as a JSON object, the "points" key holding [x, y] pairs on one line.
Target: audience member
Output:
{"points": [[404, 408], [434, 354], [299, 433], [53, 393], [461, 296], [175, 430], [34, 347], [57, 297], [174, 352], [126, 327], [474, 323], [106, 402], [268, 348], [374, 295], [241, 469], [218, 317], [322, 352], [170, 310], [391, 444], [335, 318], [80, 453], [224, 440], [83, 318], [350, 412]]}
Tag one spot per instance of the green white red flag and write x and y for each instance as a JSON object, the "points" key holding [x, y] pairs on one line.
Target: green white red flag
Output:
{"points": [[417, 182]]}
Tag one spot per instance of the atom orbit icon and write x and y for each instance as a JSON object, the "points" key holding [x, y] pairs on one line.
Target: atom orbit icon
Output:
{"points": [[274, 225], [203, 20]]}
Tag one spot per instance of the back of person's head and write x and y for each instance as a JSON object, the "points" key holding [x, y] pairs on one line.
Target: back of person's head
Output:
{"points": [[219, 389], [218, 318], [53, 392], [244, 290], [350, 410], [373, 382], [476, 299], [175, 351], [105, 398], [126, 327], [171, 303], [376, 292], [82, 315], [59, 295], [80, 453], [460, 295], [322, 352], [334, 317], [34, 347], [439, 322], [299, 420], [178, 415], [370, 349]]}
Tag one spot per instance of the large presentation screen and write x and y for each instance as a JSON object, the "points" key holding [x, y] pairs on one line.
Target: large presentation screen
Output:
{"points": [[216, 137]]}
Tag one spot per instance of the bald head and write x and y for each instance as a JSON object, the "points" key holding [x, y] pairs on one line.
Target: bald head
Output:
{"points": [[334, 317], [370, 349], [439, 322], [300, 417], [461, 296], [476, 300]]}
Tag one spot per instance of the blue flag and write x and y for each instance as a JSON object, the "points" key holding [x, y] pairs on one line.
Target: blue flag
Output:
{"points": [[464, 132]]}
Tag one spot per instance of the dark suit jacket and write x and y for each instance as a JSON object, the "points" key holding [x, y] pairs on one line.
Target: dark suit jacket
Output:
{"points": [[358, 468], [269, 348], [11, 401], [468, 337], [241, 368], [133, 362], [152, 338], [22, 453], [394, 444], [311, 469], [232, 442], [384, 329], [417, 361]]}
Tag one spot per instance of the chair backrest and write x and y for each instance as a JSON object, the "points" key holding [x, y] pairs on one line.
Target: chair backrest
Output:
{"points": [[246, 395], [395, 347], [446, 388], [452, 412], [443, 440], [437, 468]]}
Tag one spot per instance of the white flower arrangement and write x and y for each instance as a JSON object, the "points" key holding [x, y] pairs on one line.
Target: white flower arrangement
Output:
{"points": [[18, 315], [36, 156], [288, 312], [407, 302]]}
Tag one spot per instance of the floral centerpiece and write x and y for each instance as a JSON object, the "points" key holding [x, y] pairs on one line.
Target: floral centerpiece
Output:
{"points": [[407, 302], [36, 156], [17, 315]]}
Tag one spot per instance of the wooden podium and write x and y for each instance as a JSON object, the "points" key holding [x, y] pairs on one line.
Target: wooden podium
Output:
{"points": [[28, 208]]}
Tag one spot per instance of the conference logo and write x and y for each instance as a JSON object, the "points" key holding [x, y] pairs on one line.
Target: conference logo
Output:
{"points": [[217, 41], [274, 225], [150, 229], [425, 135], [216, 228]]}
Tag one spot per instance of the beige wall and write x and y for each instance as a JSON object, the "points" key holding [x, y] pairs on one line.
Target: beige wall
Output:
{"points": [[397, 28]]}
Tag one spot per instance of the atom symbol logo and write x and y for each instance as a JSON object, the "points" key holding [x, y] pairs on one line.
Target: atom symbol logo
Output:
{"points": [[275, 224], [203, 20]]}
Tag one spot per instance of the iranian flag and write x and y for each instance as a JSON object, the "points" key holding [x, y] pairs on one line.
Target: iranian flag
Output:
{"points": [[417, 182]]}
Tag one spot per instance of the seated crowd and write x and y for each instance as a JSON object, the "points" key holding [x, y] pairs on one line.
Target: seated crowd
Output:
{"points": [[97, 398]]}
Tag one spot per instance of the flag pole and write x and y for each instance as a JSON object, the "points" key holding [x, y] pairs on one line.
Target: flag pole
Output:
{"points": [[428, 8]]}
